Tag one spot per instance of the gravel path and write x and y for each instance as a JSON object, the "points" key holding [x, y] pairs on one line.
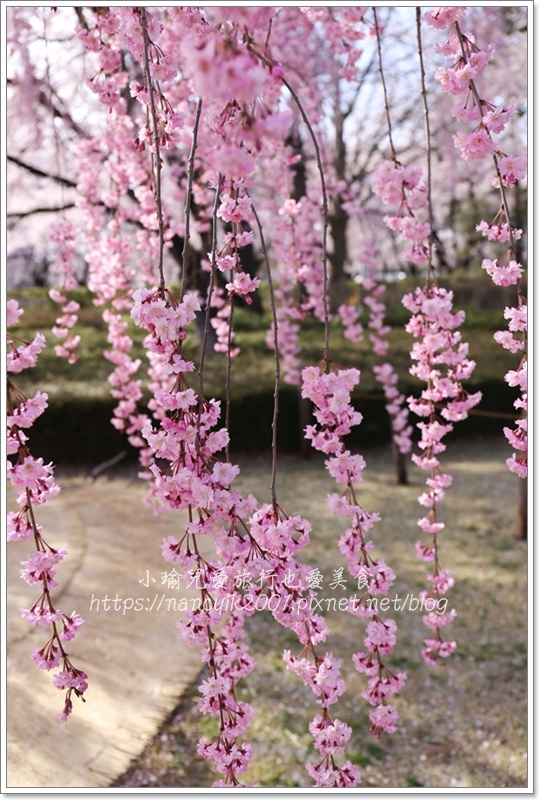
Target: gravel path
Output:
{"points": [[136, 661]]}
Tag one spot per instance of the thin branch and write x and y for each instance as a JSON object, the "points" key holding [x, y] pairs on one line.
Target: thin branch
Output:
{"points": [[386, 104], [324, 212], [361, 171], [82, 19], [276, 356], [268, 34], [204, 343], [41, 173], [54, 128], [428, 140], [59, 112], [228, 370], [479, 104], [157, 159], [189, 190], [50, 210]]}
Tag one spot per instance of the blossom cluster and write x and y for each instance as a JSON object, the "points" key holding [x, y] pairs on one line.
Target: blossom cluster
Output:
{"points": [[264, 545], [35, 485], [298, 274], [198, 482], [235, 211], [63, 235], [403, 187], [385, 371], [125, 387], [282, 537], [460, 80], [110, 257], [441, 360], [335, 416], [442, 363], [514, 339]]}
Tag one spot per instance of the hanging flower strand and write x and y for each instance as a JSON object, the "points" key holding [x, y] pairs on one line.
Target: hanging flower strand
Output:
{"points": [[194, 482], [469, 61], [197, 482], [329, 389], [331, 394], [321, 674], [35, 484], [384, 371], [440, 354], [63, 235]]}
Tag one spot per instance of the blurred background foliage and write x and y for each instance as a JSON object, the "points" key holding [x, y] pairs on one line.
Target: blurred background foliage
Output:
{"points": [[77, 427]]}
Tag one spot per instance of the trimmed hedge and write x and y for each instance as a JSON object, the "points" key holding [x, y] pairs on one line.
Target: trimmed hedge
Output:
{"points": [[76, 430]]}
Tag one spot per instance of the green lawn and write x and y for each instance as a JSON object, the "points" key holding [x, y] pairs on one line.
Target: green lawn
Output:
{"points": [[255, 364]]}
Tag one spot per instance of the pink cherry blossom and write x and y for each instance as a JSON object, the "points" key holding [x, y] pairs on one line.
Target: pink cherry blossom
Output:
{"points": [[513, 169], [48, 657], [442, 17], [71, 626], [383, 718], [36, 485], [13, 312], [469, 61], [71, 679], [41, 616], [505, 275]]}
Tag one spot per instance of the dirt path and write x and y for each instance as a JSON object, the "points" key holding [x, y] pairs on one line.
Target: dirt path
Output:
{"points": [[113, 543]]}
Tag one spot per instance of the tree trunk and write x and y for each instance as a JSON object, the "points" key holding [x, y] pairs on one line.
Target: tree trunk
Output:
{"points": [[338, 222], [338, 285], [401, 466], [305, 419], [521, 527], [520, 219], [299, 169]]}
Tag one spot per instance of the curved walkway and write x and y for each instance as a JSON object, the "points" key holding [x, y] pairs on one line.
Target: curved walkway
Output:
{"points": [[137, 662]]}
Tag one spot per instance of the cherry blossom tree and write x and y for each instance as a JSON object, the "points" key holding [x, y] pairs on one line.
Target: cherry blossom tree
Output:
{"points": [[211, 147]]}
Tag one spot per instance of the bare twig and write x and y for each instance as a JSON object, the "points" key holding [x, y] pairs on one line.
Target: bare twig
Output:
{"points": [[383, 81], [189, 190], [428, 141], [360, 80], [41, 173], [324, 212], [157, 159], [276, 356], [204, 343], [59, 112], [44, 210]]}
